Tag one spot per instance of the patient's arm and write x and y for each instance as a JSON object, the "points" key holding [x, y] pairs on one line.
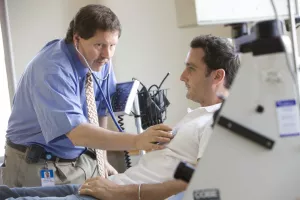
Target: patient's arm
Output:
{"points": [[107, 190]]}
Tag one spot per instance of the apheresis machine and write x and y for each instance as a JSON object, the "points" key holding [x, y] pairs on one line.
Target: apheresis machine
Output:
{"points": [[254, 151]]}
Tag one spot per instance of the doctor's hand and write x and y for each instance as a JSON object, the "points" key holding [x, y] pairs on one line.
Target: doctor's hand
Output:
{"points": [[155, 134], [99, 188]]}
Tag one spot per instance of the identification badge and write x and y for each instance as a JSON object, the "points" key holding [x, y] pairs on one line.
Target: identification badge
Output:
{"points": [[288, 118], [47, 177]]}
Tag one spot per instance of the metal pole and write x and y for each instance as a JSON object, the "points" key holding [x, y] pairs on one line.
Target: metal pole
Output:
{"points": [[294, 47], [293, 36], [138, 120], [7, 45]]}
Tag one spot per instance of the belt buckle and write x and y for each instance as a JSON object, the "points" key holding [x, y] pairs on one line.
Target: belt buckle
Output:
{"points": [[57, 159]]}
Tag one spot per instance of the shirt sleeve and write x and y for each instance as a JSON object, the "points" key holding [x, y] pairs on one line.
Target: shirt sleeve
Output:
{"points": [[111, 83], [204, 138], [56, 104]]}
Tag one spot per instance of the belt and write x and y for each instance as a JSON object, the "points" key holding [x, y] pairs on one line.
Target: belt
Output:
{"points": [[23, 149]]}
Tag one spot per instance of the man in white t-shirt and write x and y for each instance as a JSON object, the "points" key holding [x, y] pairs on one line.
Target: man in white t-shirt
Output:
{"points": [[192, 134], [211, 65]]}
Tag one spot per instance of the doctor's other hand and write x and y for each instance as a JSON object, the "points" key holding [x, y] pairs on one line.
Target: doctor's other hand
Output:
{"points": [[149, 139], [99, 188]]}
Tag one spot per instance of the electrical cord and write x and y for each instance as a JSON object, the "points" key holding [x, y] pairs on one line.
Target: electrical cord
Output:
{"points": [[121, 126], [150, 88], [161, 83], [135, 115], [163, 80], [126, 153], [121, 129]]}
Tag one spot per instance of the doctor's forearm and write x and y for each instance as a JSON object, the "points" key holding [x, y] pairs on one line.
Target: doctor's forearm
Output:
{"points": [[103, 122], [92, 136]]}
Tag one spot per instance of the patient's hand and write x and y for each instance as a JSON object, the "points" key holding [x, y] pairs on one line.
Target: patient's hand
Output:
{"points": [[99, 188], [110, 169]]}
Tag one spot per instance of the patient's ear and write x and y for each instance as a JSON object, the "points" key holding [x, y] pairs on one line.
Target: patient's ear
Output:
{"points": [[218, 76]]}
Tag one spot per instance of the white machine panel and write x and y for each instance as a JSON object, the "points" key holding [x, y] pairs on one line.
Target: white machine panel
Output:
{"points": [[206, 12], [237, 167]]}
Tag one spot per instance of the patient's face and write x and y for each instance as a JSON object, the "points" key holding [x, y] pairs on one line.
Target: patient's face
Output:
{"points": [[197, 81]]}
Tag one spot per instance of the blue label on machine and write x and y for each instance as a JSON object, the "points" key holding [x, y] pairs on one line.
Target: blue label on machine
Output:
{"points": [[288, 117], [291, 102]]}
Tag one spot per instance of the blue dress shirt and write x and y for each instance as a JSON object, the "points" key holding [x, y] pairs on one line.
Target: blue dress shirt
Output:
{"points": [[50, 100]]}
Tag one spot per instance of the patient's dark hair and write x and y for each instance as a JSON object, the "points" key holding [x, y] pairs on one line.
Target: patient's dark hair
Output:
{"points": [[219, 53], [91, 18]]}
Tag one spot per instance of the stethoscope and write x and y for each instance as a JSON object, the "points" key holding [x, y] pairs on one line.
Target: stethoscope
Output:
{"points": [[87, 64], [97, 81]]}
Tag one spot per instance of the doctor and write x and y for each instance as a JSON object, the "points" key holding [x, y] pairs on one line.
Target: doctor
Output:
{"points": [[57, 104]]}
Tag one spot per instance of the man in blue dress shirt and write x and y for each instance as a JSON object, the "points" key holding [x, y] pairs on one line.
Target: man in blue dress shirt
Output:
{"points": [[48, 128]]}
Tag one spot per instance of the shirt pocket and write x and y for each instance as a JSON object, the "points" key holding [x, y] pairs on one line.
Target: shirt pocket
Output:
{"points": [[66, 172]]}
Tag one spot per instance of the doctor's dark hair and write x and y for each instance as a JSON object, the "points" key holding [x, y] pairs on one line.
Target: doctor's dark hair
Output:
{"points": [[91, 18], [219, 53]]}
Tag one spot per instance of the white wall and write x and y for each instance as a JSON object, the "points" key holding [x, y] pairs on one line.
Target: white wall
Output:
{"points": [[151, 45], [5, 104], [35, 22]]}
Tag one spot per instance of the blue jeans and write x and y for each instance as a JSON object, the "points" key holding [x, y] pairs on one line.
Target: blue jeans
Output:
{"points": [[59, 192], [178, 196]]}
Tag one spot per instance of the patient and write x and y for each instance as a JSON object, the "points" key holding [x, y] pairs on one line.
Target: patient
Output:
{"points": [[211, 65]]}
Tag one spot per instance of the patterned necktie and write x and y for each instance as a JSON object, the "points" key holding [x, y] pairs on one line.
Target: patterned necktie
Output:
{"points": [[93, 118]]}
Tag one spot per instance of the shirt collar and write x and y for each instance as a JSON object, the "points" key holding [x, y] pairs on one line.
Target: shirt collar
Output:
{"points": [[213, 108], [210, 109]]}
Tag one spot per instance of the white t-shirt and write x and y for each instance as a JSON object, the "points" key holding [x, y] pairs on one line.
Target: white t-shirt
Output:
{"points": [[193, 133]]}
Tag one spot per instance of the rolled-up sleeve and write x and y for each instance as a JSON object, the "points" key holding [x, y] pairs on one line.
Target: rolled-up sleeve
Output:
{"points": [[56, 103]]}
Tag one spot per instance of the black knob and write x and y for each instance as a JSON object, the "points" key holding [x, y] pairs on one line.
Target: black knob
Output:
{"points": [[260, 109]]}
